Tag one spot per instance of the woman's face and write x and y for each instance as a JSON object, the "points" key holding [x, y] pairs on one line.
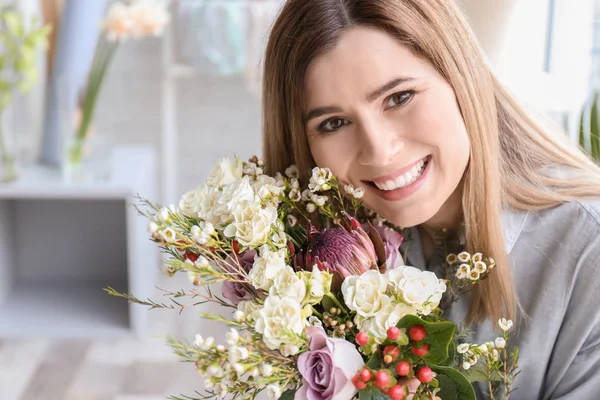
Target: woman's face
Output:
{"points": [[382, 119]]}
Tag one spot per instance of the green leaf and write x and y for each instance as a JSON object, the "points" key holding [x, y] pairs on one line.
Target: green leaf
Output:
{"points": [[450, 361], [438, 338], [372, 394], [476, 374], [288, 395], [595, 130], [453, 384], [374, 362]]}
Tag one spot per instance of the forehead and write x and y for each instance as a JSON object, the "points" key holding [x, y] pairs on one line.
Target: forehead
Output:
{"points": [[362, 60]]}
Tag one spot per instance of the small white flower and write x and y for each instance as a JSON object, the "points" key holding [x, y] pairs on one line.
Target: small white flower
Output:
{"points": [[199, 341], [464, 268], [462, 348], [306, 195], [220, 389], [484, 349], [451, 259], [310, 207], [319, 200], [288, 350], [464, 257], [474, 275], [266, 370], [477, 257], [500, 343], [295, 195], [349, 189], [232, 337], [505, 324], [168, 235], [193, 278], [152, 228], [314, 321], [292, 172], [320, 180], [208, 384], [291, 220], [495, 355], [461, 275], [208, 343], [238, 368], [474, 360], [466, 365], [201, 262], [358, 193], [213, 370], [220, 348], [279, 240], [254, 372], [491, 263], [274, 392], [480, 267], [295, 183]]}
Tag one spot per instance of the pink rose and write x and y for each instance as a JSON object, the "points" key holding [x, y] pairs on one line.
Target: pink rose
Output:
{"points": [[328, 367]]}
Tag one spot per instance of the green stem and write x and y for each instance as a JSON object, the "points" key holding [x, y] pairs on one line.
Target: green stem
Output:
{"points": [[7, 159], [336, 301], [103, 55]]}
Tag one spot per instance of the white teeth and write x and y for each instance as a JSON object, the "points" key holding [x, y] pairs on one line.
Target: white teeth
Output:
{"points": [[403, 180]]}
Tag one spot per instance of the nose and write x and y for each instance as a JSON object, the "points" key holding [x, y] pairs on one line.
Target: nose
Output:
{"points": [[379, 143]]}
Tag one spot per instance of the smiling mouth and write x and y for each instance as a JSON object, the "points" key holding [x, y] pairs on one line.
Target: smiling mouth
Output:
{"points": [[403, 180]]}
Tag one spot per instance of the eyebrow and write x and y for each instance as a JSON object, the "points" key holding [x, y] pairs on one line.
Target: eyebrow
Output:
{"points": [[320, 111]]}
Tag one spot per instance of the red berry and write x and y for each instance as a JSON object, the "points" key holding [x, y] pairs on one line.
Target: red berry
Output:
{"points": [[360, 385], [392, 351], [382, 379], [403, 368], [419, 351], [424, 374], [362, 338], [417, 333], [236, 247], [396, 392], [393, 333], [365, 375], [191, 256]]}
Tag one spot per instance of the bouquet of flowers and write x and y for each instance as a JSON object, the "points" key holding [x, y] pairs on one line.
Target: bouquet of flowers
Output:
{"points": [[322, 305]]}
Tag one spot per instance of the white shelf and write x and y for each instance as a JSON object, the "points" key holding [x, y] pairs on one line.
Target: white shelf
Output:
{"points": [[72, 309], [76, 238]]}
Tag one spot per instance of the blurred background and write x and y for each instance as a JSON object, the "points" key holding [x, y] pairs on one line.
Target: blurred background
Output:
{"points": [[101, 101]]}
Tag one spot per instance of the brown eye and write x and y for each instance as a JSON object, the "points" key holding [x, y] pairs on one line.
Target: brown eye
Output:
{"points": [[332, 125], [398, 99]]}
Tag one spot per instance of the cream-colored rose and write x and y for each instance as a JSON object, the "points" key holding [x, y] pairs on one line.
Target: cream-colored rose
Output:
{"points": [[190, 202], [279, 317], [267, 267], [287, 283], [365, 294], [249, 309], [420, 289], [252, 225], [225, 172], [388, 317], [317, 282]]}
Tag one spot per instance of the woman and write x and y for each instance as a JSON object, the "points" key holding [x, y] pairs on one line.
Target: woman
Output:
{"points": [[394, 97]]}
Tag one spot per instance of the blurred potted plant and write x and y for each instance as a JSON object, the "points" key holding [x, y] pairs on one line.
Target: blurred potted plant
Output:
{"points": [[589, 128], [19, 43], [134, 20]]}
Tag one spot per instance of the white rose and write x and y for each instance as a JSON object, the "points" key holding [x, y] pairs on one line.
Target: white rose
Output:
{"points": [[365, 294], [420, 289], [225, 172], [191, 202], [279, 317], [205, 208], [267, 267], [388, 317], [252, 225], [249, 310], [287, 283], [234, 199]]}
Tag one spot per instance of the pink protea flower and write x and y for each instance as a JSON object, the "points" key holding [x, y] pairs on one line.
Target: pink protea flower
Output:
{"points": [[343, 251]]}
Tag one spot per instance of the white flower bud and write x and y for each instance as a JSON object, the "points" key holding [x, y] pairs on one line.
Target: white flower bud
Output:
{"points": [[208, 343], [310, 207], [349, 189], [212, 370], [238, 316], [292, 221], [500, 342], [238, 368], [254, 372], [220, 348], [266, 370], [163, 214], [358, 193], [232, 337], [274, 392], [199, 341], [466, 365], [201, 262], [505, 324], [152, 227]]}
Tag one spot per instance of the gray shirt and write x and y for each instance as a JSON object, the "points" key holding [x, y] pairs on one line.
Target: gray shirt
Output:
{"points": [[555, 260]]}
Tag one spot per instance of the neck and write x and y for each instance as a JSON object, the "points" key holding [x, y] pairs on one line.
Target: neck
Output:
{"points": [[448, 218]]}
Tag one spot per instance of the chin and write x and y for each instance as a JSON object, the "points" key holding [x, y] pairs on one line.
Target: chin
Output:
{"points": [[409, 216]]}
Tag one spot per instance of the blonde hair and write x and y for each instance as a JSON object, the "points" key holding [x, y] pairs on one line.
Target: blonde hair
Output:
{"points": [[509, 149]]}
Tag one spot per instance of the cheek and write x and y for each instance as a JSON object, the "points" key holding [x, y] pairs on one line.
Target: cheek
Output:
{"points": [[333, 153]]}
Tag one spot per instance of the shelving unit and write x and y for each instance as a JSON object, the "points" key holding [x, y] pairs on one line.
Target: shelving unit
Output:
{"points": [[62, 243]]}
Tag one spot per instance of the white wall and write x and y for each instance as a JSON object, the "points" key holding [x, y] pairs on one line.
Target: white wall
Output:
{"points": [[514, 36]]}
